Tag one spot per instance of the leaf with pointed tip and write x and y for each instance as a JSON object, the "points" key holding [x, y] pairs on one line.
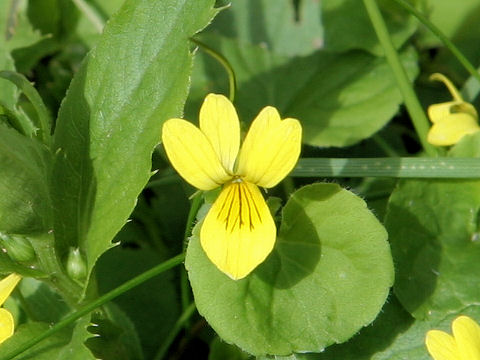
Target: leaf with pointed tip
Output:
{"points": [[110, 121]]}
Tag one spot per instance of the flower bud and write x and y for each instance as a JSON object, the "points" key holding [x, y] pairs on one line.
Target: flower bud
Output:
{"points": [[17, 247], [76, 265]]}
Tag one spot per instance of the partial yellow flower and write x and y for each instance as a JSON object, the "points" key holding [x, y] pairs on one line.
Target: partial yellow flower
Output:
{"points": [[6, 319], [238, 232], [463, 345], [451, 120]]}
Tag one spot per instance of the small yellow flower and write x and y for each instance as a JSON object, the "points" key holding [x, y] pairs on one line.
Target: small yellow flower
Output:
{"points": [[463, 345], [238, 232], [6, 319], [451, 120]]}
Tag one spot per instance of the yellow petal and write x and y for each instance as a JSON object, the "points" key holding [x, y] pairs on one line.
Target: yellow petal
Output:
{"points": [[6, 325], [271, 148], [219, 122], [451, 129], [437, 112], [441, 345], [467, 336], [192, 155], [7, 285], [238, 232]]}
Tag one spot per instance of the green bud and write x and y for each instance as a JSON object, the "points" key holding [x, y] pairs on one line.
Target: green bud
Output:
{"points": [[17, 247], [76, 265]]}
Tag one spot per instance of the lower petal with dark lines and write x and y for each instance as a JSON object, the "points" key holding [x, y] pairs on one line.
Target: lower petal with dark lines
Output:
{"points": [[238, 232]]}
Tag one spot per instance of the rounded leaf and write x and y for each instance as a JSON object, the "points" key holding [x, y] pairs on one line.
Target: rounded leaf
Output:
{"points": [[327, 277]]}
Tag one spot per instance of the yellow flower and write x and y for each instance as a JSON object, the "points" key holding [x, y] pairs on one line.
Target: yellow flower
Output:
{"points": [[463, 345], [451, 120], [6, 319], [238, 232]]}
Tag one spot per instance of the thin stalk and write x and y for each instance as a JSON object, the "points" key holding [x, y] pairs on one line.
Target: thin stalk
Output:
{"points": [[419, 119], [426, 168], [385, 146], [187, 313], [224, 62], [90, 13], [438, 33], [184, 285], [84, 310]]}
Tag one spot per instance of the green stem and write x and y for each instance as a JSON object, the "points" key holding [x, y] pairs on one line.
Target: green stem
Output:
{"points": [[45, 121], [184, 285], [49, 263], [90, 13], [419, 119], [224, 62], [390, 151], [84, 310], [427, 168], [445, 40], [187, 313]]}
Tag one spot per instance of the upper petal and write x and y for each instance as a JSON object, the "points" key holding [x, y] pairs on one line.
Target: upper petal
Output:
{"points": [[219, 122], [467, 336], [437, 112], [238, 232], [6, 325], [271, 148], [7, 285], [192, 155], [441, 345], [450, 129]]}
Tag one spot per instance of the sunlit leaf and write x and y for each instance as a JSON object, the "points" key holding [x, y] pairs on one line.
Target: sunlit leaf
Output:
{"points": [[331, 259]]}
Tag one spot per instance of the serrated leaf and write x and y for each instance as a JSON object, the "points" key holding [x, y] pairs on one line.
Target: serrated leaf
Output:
{"points": [[348, 26], [115, 336], [24, 168], [136, 77], [60, 346], [327, 277]]}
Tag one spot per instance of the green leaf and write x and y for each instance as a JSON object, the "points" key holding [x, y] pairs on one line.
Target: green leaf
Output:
{"points": [[115, 336], [136, 77], [274, 24], [393, 336], [8, 91], [41, 302], [24, 168], [348, 98], [45, 121], [328, 276], [220, 350], [456, 27], [434, 231], [156, 299], [60, 346], [348, 26], [339, 98], [15, 27], [468, 146]]}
